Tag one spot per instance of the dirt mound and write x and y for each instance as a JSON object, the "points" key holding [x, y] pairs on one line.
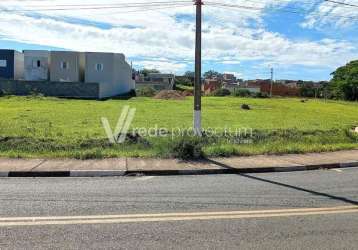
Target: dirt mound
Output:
{"points": [[169, 95], [188, 93]]}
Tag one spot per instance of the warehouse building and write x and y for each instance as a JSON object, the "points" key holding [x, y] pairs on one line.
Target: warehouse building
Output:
{"points": [[37, 65], [11, 64]]}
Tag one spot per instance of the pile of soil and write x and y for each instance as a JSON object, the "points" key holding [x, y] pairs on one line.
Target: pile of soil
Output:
{"points": [[187, 93], [169, 95]]}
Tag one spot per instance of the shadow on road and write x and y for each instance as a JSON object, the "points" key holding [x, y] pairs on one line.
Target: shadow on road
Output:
{"points": [[333, 197]]}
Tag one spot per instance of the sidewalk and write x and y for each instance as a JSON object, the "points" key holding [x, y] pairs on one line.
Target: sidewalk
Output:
{"points": [[130, 166]]}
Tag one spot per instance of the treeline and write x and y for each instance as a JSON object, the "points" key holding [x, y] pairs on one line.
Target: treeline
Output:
{"points": [[344, 84]]}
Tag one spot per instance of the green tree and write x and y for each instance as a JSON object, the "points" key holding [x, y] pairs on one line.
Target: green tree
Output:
{"points": [[211, 74], [344, 84], [189, 74], [146, 72]]}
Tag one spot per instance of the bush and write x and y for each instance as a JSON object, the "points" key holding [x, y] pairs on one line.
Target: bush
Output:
{"points": [[187, 148], [261, 95], [241, 93], [221, 92], [1, 93], [131, 93], [245, 106], [146, 92], [184, 81]]}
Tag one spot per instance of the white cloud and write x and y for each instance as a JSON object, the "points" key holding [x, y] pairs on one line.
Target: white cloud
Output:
{"points": [[163, 66], [335, 15], [161, 40]]}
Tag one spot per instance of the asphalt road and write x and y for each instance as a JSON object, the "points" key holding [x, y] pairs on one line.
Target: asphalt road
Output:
{"points": [[155, 197]]}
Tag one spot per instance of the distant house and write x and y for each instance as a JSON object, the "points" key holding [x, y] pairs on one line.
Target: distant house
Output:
{"points": [[288, 83], [11, 64], [37, 65], [251, 90], [237, 87], [280, 89], [256, 83], [111, 71], [67, 66], [210, 85], [231, 86], [157, 81], [229, 78]]}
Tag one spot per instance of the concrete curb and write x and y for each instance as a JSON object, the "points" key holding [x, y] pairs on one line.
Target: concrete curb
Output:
{"points": [[118, 173]]}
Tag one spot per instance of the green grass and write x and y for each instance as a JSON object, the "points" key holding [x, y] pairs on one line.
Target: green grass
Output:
{"points": [[51, 127]]}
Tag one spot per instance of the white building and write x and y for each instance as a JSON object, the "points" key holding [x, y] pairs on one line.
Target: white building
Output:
{"points": [[111, 71]]}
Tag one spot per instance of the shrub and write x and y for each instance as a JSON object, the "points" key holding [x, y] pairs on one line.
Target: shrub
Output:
{"points": [[131, 93], [261, 95], [221, 92], [187, 148], [1, 92], [245, 106], [242, 93], [146, 92], [352, 134]]}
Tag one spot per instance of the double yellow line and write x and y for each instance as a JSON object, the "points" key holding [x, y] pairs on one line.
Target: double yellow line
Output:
{"points": [[137, 218]]}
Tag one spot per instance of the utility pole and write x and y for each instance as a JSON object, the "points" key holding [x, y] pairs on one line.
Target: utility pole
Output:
{"points": [[271, 87], [197, 85]]}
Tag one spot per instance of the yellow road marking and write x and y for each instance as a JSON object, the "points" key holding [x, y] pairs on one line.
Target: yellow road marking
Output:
{"points": [[137, 218]]}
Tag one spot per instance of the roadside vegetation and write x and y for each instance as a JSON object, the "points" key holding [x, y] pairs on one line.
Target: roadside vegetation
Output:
{"points": [[37, 126]]}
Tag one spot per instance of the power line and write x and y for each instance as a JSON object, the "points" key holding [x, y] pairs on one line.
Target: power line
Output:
{"points": [[113, 4], [254, 8], [342, 3], [101, 7], [150, 9]]}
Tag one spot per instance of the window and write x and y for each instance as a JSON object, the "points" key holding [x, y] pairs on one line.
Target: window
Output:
{"points": [[99, 66], [65, 65], [3, 63], [36, 63]]}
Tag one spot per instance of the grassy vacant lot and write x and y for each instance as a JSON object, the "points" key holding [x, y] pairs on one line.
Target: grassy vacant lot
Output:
{"points": [[51, 127]]}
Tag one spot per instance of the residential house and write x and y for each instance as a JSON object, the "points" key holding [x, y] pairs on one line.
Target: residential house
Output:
{"points": [[111, 71], [157, 81], [279, 89], [11, 64], [230, 86], [37, 65], [236, 87], [210, 85], [67, 66], [229, 78], [289, 83]]}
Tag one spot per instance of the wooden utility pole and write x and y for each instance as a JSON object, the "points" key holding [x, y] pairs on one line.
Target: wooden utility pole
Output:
{"points": [[197, 85]]}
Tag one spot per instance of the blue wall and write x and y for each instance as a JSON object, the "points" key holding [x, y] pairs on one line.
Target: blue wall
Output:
{"points": [[8, 71]]}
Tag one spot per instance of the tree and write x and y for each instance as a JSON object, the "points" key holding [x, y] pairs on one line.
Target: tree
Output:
{"points": [[146, 72], [189, 74], [344, 84], [211, 74]]}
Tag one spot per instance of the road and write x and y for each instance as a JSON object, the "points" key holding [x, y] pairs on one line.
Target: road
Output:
{"points": [[196, 212]]}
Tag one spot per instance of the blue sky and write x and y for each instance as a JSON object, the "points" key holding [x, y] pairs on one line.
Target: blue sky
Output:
{"points": [[300, 39]]}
